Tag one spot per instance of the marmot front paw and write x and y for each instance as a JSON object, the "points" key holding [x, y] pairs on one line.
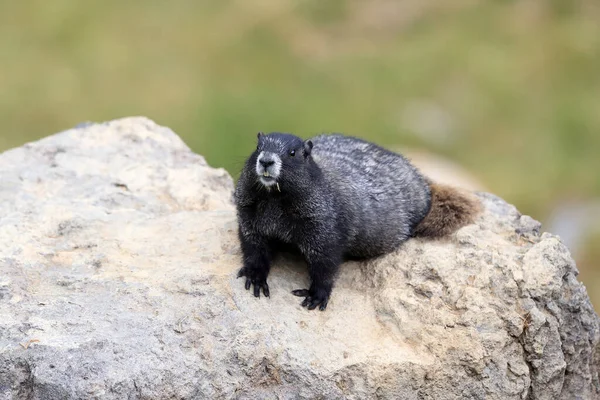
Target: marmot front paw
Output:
{"points": [[257, 278], [315, 296]]}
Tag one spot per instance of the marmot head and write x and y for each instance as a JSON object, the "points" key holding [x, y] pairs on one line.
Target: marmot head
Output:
{"points": [[280, 157]]}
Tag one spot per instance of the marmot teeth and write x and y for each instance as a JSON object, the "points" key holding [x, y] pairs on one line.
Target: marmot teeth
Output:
{"points": [[266, 173]]}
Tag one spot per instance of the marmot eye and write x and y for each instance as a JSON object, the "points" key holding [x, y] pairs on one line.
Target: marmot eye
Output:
{"points": [[292, 153]]}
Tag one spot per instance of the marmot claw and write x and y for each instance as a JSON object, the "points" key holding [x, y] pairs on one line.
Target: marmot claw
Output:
{"points": [[312, 300], [253, 277]]}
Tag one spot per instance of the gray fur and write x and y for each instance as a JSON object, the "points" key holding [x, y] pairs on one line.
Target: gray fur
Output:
{"points": [[384, 195], [335, 197]]}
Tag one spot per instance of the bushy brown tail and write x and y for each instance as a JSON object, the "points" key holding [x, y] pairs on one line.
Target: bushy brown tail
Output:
{"points": [[451, 209]]}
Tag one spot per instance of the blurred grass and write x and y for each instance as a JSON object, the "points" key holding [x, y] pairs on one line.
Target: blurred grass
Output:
{"points": [[510, 89]]}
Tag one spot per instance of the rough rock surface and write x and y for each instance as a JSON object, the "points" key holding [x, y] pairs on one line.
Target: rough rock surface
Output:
{"points": [[118, 256]]}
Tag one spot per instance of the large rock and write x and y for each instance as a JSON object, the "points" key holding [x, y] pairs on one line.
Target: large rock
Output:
{"points": [[118, 259]]}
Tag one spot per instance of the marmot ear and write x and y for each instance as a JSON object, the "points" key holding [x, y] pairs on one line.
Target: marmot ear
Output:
{"points": [[308, 145], [259, 134]]}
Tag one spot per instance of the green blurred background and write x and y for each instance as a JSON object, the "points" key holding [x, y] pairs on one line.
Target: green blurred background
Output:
{"points": [[509, 90]]}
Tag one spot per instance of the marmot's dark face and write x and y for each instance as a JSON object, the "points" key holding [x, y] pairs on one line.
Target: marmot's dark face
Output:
{"points": [[279, 155]]}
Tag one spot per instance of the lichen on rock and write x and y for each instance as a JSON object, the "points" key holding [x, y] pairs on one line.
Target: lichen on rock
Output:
{"points": [[118, 261]]}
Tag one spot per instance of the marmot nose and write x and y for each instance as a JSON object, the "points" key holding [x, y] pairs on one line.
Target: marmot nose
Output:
{"points": [[266, 163]]}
